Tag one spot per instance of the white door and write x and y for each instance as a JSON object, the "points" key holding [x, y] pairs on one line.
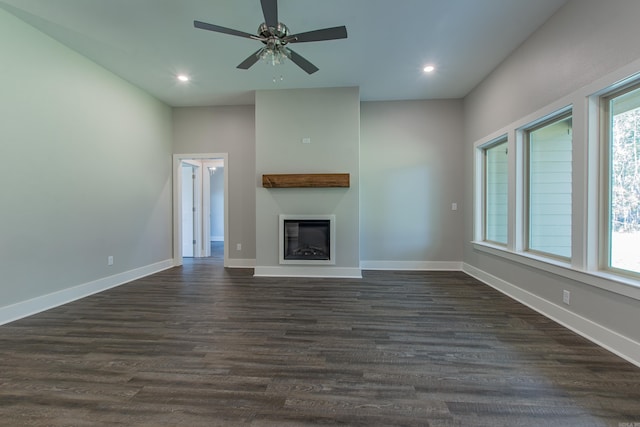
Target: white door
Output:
{"points": [[188, 207]]}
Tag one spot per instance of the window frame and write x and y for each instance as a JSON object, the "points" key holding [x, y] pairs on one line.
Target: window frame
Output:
{"points": [[483, 193], [525, 160], [605, 140]]}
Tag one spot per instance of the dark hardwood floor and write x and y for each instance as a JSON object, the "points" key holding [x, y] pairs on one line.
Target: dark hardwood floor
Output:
{"points": [[203, 346], [217, 250]]}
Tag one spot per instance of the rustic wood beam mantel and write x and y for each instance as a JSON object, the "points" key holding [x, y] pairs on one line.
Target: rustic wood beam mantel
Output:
{"points": [[306, 180]]}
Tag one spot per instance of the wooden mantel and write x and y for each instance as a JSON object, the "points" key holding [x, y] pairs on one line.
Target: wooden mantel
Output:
{"points": [[306, 180]]}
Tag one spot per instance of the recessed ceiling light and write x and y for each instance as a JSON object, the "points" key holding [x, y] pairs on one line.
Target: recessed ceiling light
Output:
{"points": [[429, 69], [183, 78]]}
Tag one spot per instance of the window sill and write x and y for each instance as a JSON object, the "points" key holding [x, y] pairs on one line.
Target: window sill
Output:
{"points": [[600, 279]]}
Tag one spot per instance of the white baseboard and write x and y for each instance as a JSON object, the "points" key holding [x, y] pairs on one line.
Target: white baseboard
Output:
{"points": [[42, 303], [616, 343], [240, 263], [309, 271], [412, 265]]}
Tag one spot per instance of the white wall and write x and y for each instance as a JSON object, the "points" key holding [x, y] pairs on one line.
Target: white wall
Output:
{"points": [[410, 175], [331, 119], [584, 42], [86, 173], [226, 130]]}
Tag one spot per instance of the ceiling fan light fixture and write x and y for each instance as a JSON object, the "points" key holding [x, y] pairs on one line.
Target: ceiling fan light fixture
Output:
{"points": [[275, 55]]}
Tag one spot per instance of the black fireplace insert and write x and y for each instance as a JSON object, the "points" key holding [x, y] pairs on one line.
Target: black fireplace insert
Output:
{"points": [[307, 239]]}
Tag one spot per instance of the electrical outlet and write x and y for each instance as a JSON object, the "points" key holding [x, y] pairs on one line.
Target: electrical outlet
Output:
{"points": [[239, 247], [110, 260], [566, 297], [454, 206]]}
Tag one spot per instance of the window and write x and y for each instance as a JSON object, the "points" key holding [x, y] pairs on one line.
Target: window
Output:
{"points": [[563, 201], [622, 186], [548, 181], [495, 192]]}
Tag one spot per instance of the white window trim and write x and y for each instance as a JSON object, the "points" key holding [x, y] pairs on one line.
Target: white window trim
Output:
{"points": [[603, 185], [480, 148], [584, 265], [523, 176]]}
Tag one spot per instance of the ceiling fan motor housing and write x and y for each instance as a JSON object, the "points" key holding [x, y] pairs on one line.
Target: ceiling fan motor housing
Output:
{"points": [[273, 36]]}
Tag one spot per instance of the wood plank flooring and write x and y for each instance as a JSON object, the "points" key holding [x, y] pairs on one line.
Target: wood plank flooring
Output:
{"points": [[199, 345]]}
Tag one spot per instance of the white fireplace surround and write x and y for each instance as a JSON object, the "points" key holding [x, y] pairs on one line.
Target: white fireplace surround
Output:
{"points": [[332, 239]]}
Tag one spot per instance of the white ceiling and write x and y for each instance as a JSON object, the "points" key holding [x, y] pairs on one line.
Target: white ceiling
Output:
{"points": [[148, 42]]}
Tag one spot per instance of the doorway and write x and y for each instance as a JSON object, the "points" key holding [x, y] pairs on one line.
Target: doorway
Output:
{"points": [[200, 224], [213, 180]]}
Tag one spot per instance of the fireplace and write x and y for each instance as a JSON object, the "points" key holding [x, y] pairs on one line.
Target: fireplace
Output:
{"points": [[307, 239]]}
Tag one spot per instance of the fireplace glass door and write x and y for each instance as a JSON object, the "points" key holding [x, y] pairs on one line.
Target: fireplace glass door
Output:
{"points": [[307, 239]]}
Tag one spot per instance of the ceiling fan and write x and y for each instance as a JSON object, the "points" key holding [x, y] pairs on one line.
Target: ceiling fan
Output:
{"points": [[275, 36]]}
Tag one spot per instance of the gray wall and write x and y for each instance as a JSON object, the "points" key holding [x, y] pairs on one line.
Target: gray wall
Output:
{"points": [[331, 118], [406, 145], [226, 130], [86, 169], [583, 42], [411, 173]]}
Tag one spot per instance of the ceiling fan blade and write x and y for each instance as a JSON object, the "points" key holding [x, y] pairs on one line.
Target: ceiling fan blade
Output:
{"points": [[252, 59], [302, 63], [332, 33], [270, 12], [219, 29]]}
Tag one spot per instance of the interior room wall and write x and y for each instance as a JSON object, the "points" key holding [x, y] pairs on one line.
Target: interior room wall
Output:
{"points": [[330, 118], [86, 174], [413, 142], [410, 177], [228, 129], [583, 42]]}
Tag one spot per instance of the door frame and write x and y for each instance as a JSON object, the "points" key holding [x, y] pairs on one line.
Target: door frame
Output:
{"points": [[177, 198]]}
